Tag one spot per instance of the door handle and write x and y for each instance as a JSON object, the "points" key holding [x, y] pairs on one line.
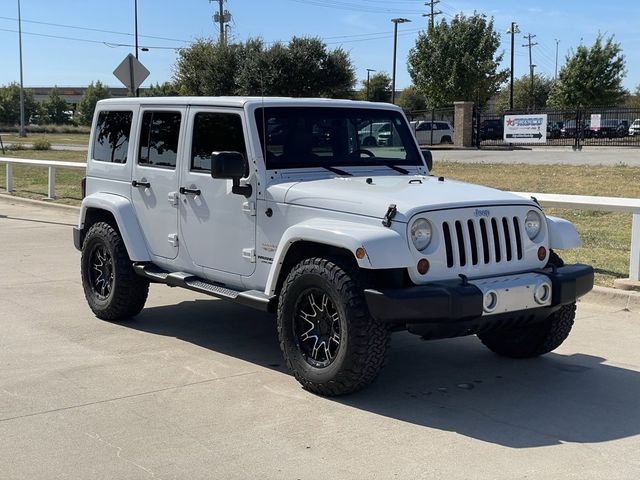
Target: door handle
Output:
{"points": [[190, 191], [136, 183]]}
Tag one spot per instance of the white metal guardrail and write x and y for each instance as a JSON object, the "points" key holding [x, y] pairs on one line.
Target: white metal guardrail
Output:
{"points": [[577, 202], [52, 165], [603, 204]]}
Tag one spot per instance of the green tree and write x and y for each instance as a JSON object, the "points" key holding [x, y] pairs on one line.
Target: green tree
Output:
{"points": [[634, 99], [87, 105], [379, 88], [10, 105], [591, 76], [458, 61], [167, 89], [522, 93], [411, 100], [56, 108], [302, 68]]}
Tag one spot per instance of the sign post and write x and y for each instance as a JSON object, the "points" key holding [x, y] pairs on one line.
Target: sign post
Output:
{"points": [[131, 73], [525, 128]]}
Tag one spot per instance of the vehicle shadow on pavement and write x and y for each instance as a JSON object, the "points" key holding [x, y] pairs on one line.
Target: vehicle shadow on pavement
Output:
{"points": [[455, 385]]}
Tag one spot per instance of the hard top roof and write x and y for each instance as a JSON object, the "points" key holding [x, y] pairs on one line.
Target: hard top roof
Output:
{"points": [[240, 102]]}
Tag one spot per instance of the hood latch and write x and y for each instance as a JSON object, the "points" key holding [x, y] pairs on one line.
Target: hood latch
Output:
{"points": [[391, 212]]}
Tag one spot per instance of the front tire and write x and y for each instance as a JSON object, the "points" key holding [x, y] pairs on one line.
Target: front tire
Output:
{"points": [[328, 338], [111, 287]]}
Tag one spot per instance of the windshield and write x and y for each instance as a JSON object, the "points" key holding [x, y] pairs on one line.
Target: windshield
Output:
{"points": [[299, 137]]}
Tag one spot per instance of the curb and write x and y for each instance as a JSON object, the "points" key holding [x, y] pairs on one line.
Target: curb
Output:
{"points": [[613, 297], [39, 203]]}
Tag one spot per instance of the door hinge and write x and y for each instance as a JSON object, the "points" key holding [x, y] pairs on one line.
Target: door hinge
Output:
{"points": [[249, 254], [173, 198], [173, 239], [249, 208]]}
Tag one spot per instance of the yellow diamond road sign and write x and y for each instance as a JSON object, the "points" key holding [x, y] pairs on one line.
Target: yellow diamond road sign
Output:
{"points": [[131, 72]]}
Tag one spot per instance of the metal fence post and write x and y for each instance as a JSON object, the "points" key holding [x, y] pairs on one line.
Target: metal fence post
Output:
{"points": [[9, 178], [51, 187], [634, 262]]}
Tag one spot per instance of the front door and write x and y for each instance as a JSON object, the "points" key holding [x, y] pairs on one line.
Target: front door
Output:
{"points": [[155, 177], [218, 226]]}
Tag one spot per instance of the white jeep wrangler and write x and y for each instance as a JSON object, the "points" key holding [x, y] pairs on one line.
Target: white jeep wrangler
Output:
{"points": [[275, 204]]}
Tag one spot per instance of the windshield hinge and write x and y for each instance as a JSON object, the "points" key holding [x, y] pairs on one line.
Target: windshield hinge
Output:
{"points": [[391, 212]]}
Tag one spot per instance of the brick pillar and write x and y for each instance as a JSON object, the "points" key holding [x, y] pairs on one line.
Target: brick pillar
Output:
{"points": [[463, 125]]}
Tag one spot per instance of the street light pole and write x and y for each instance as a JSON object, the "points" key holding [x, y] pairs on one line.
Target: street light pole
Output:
{"points": [[395, 21], [23, 132], [513, 30], [369, 70]]}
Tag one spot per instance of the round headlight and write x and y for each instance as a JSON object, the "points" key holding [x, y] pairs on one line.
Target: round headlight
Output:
{"points": [[421, 233], [533, 224]]}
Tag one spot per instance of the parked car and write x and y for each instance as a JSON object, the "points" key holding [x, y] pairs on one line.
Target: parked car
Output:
{"points": [[569, 129], [634, 129], [610, 129], [373, 134], [432, 133], [554, 129], [343, 244], [492, 129]]}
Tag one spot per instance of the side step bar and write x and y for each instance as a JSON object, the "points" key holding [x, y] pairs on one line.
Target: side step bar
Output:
{"points": [[250, 298]]}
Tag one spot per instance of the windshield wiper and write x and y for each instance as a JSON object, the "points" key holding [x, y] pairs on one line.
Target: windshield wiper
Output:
{"points": [[338, 171], [401, 170]]}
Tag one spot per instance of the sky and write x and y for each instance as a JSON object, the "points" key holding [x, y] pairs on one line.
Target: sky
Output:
{"points": [[74, 42]]}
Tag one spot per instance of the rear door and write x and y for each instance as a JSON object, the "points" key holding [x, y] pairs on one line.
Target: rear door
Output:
{"points": [[155, 177], [218, 226]]}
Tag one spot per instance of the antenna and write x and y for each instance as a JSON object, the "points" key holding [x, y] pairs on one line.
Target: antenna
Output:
{"points": [[264, 123]]}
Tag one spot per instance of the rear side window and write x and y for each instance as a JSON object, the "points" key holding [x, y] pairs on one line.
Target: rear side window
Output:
{"points": [[215, 132], [159, 135], [112, 133]]}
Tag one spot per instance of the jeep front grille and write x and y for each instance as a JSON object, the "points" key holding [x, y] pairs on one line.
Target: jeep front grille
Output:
{"points": [[485, 240]]}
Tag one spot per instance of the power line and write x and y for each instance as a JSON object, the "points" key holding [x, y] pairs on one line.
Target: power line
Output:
{"points": [[93, 29], [86, 40], [357, 7]]}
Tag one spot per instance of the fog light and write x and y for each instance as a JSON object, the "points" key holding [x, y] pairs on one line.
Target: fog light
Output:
{"points": [[423, 266], [360, 253], [542, 293], [542, 253], [490, 301]]}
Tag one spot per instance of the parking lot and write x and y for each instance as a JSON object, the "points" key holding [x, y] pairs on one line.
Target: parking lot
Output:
{"points": [[196, 388]]}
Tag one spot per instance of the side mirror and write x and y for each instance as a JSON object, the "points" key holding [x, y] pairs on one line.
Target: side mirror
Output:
{"points": [[428, 158], [231, 166]]}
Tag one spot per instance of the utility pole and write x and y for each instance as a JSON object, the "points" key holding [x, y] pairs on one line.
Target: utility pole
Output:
{"points": [[557, 43], [369, 70], [431, 4], [395, 21], [23, 132], [222, 16], [513, 30], [530, 44], [135, 6]]}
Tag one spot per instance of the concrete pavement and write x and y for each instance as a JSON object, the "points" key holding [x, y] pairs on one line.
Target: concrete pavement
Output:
{"points": [[196, 388]]}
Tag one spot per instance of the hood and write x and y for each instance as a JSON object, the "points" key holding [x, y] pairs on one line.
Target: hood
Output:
{"points": [[371, 196]]}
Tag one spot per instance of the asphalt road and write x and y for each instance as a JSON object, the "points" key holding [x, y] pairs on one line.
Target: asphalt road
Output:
{"points": [[195, 388]]}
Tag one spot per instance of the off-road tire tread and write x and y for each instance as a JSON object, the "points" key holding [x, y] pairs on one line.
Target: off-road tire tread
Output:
{"points": [[130, 290], [368, 338], [544, 337]]}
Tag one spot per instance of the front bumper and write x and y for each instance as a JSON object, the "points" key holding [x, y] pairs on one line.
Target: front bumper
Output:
{"points": [[455, 308]]}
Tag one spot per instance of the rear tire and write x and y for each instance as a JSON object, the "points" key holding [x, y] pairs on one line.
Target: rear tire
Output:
{"points": [[446, 139], [532, 340], [111, 287], [329, 340]]}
